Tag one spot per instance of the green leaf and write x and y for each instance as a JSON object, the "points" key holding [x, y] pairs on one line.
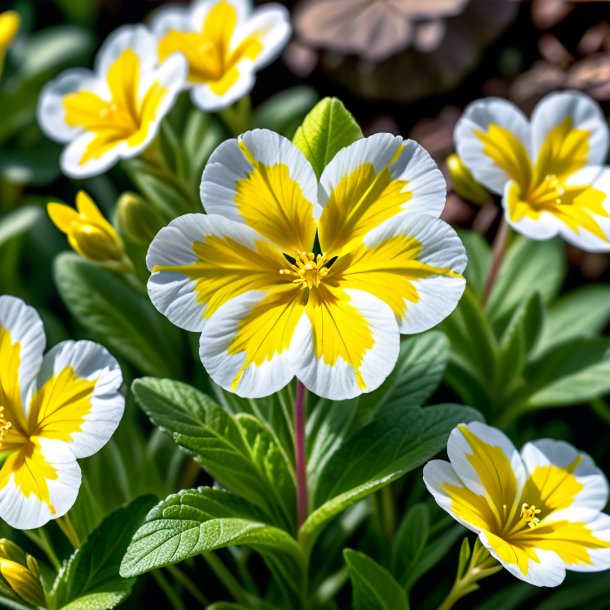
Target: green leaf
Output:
{"points": [[374, 588], [118, 316], [327, 129], [410, 541], [570, 373], [239, 452], [90, 579], [581, 313], [196, 521], [17, 222], [285, 111], [479, 258], [529, 266], [380, 453]]}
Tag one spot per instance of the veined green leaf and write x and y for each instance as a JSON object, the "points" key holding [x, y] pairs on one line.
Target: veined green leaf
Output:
{"points": [[410, 541], [374, 588], [327, 129], [195, 521], [118, 316], [380, 453], [239, 452], [90, 579]]}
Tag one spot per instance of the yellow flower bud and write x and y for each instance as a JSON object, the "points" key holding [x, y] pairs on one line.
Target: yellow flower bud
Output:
{"points": [[89, 233], [9, 26], [138, 220], [21, 573], [464, 183]]}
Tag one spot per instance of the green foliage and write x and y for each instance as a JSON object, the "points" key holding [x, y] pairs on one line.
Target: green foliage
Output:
{"points": [[117, 314], [90, 579], [327, 129], [239, 452], [374, 588], [285, 111]]}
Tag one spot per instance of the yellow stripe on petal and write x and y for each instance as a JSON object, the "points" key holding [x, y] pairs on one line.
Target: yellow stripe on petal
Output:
{"points": [[225, 268], [31, 472], [59, 408], [470, 507], [272, 202], [224, 84], [388, 271], [267, 331], [219, 26], [361, 201], [507, 152], [340, 331], [10, 392]]}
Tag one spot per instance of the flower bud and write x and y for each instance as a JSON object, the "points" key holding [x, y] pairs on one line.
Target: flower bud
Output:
{"points": [[138, 220], [9, 26], [21, 573], [464, 183], [95, 244]]}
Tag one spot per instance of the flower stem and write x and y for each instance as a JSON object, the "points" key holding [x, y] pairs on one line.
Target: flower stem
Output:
{"points": [[67, 527], [497, 256], [300, 456], [40, 538], [225, 576], [166, 587], [186, 582], [481, 565]]}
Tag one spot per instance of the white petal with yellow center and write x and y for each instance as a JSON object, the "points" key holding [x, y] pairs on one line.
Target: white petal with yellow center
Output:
{"points": [[76, 397], [264, 181], [372, 180]]}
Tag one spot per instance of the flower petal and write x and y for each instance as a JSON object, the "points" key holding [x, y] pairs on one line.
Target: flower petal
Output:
{"points": [[76, 399], [249, 345], [487, 463], [199, 263], [569, 132], [225, 91], [371, 181], [108, 153], [22, 343], [348, 343], [38, 483], [264, 35], [582, 217], [535, 566], [470, 509], [493, 140], [561, 477], [218, 19], [51, 112], [414, 263], [265, 182]]}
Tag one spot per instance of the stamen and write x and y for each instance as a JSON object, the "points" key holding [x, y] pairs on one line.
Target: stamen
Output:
{"points": [[308, 270], [528, 514], [5, 425]]}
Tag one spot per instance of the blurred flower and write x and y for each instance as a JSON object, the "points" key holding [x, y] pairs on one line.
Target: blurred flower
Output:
{"points": [[9, 26], [549, 171], [115, 111], [365, 44], [290, 276], [89, 233], [537, 512], [225, 43], [21, 574], [464, 183], [138, 220], [55, 409]]}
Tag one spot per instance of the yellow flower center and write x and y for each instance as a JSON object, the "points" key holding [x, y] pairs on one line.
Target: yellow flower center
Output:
{"points": [[308, 270], [5, 426], [549, 191]]}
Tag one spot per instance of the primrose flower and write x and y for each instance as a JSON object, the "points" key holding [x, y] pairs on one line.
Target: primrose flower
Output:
{"points": [[113, 112], [21, 574], [225, 43], [89, 233], [537, 512], [549, 170], [53, 410], [287, 276]]}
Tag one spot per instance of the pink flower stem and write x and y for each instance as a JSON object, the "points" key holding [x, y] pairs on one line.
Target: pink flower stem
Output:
{"points": [[497, 256], [300, 455]]}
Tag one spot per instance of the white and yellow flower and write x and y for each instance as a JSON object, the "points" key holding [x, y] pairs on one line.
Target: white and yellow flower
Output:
{"points": [[550, 170], [113, 112], [286, 276], [225, 43], [537, 512], [53, 409]]}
